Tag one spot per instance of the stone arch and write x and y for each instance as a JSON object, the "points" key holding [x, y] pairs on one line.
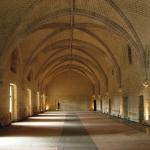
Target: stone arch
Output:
{"points": [[58, 50], [108, 51], [79, 61], [112, 25], [95, 82], [78, 41]]}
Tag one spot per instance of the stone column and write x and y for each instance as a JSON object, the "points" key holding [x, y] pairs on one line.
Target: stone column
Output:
{"points": [[4, 99]]}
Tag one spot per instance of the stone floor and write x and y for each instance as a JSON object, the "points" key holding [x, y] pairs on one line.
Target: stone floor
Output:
{"points": [[73, 131]]}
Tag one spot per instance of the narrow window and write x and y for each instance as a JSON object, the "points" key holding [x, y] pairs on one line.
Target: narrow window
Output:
{"points": [[38, 102], [29, 102], [13, 62], [13, 102], [129, 55], [112, 71], [29, 77]]}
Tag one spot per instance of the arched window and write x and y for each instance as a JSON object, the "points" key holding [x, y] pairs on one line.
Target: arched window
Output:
{"points": [[112, 72], [13, 61], [129, 55], [29, 77]]}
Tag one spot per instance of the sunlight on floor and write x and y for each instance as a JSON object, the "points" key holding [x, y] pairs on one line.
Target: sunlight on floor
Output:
{"points": [[38, 124], [46, 117], [72, 131], [27, 143]]}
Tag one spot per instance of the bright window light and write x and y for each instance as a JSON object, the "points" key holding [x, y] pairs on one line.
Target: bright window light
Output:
{"points": [[38, 101], [29, 102], [10, 100], [13, 101]]}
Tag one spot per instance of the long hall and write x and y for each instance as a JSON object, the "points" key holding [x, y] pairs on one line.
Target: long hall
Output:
{"points": [[74, 131], [74, 74]]}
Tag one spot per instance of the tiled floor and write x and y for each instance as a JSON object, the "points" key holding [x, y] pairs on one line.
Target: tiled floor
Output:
{"points": [[72, 131]]}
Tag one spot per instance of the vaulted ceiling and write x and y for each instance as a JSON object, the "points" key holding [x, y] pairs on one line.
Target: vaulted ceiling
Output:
{"points": [[87, 36]]}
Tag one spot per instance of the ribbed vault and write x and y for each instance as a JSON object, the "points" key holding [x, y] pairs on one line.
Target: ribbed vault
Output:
{"points": [[87, 36]]}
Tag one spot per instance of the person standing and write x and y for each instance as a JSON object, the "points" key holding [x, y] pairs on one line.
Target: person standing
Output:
{"points": [[58, 105]]}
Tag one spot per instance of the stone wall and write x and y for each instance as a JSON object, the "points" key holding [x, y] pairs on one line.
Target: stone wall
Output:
{"points": [[72, 90]]}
